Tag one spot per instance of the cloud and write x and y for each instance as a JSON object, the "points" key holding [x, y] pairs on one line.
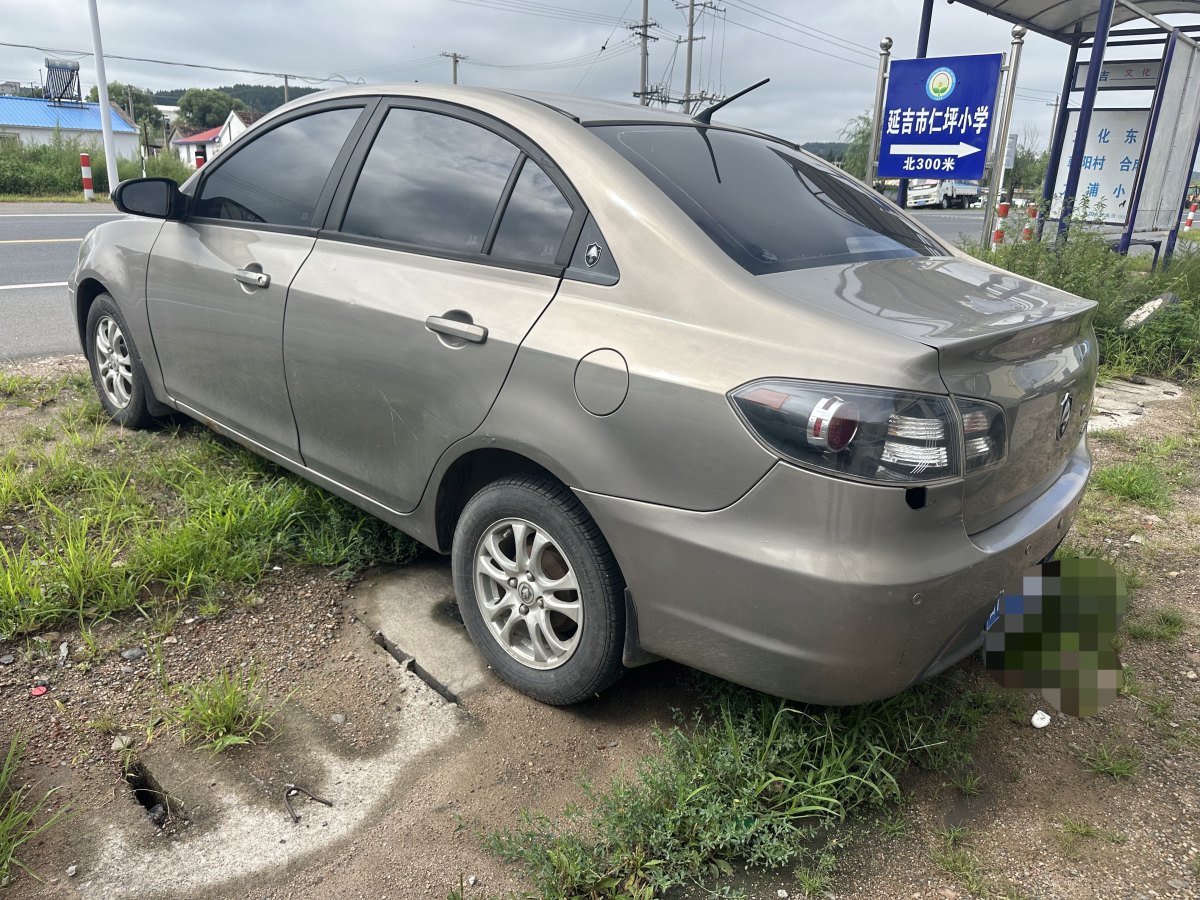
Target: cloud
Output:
{"points": [[811, 95]]}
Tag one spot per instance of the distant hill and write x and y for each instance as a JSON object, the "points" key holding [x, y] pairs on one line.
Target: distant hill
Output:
{"points": [[260, 98], [830, 150]]}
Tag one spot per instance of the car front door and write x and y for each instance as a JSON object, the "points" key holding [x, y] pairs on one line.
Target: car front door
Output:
{"points": [[217, 283], [403, 322]]}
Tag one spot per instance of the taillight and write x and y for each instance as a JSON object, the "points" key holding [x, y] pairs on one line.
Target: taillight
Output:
{"points": [[985, 437], [897, 437], [868, 433]]}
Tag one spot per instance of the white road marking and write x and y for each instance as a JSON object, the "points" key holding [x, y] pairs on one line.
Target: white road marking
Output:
{"points": [[38, 284]]}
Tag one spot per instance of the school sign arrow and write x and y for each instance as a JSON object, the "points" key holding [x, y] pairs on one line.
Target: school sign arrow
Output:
{"points": [[934, 150], [937, 116]]}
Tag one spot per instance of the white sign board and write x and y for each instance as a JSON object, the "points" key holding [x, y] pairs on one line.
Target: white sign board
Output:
{"points": [[1121, 74], [1169, 166], [1010, 152], [1112, 155]]}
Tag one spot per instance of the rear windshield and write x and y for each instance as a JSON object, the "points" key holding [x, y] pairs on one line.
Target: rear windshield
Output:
{"points": [[771, 208]]}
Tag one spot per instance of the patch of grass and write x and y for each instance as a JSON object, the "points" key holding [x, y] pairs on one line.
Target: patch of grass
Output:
{"points": [[751, 780], [1071, 831], [1164, 624], [21, 817], [227, 710], [1138, 482], [109, 521], [19, 389], [1114, 759], [816, 878], [970, 784], [1129, 686], [894, 826]]}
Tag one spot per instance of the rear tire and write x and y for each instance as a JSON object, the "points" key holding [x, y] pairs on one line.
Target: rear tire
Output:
{"points": [[116, 366], [539, 590]]}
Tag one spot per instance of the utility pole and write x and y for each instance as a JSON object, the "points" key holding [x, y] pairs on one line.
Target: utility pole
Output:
{"points": [[687, 76], [689, 98], [110, 148], [129, 102], [455, 59], [644, 30], [285, 89]]}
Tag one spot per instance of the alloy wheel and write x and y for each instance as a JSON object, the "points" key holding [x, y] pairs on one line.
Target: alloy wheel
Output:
{"points": [[528, 594], [113, 362]]}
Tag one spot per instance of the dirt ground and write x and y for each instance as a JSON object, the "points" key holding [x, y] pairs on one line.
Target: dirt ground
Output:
{"points": [[415, 831]]}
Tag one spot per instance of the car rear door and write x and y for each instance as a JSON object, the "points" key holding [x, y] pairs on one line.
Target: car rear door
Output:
{"points": [[218, 280], [446, 244]]}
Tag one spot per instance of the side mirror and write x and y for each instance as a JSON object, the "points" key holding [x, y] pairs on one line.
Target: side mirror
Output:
{"points": [[158, 198]]}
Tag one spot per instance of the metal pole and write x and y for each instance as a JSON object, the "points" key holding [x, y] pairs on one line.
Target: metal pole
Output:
{"points": [[1135, 196], [687, 77], [644, 79], [1001, 142], [454, 68], [110, 147], [885, 55], [1099, 42], [1059, 133], [285, 89], [922, 52]]}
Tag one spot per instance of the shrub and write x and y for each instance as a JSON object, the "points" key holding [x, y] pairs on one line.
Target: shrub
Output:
{"points": [[53, 168], [1084, 264]]}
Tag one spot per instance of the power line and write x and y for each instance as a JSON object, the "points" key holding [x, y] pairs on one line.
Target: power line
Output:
{"points": [[333, 76], [795, 25], [544, 10], [603, 47], [777, 37]]}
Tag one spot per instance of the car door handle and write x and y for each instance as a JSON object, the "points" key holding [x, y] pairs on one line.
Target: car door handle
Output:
{"points": [[252, 278], [476, 334]]}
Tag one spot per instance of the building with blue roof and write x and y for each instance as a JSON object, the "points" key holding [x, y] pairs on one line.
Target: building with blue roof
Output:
{"points": [[32, 120]]}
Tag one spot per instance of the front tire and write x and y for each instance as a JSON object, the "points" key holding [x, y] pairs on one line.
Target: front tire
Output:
{"points": [[539, 590], [115, 365], [945, 203]]}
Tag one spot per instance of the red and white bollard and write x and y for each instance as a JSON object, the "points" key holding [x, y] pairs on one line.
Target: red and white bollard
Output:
{"points": [[1027, 231], [85, 163], [1187, 226], [1001, 223]]}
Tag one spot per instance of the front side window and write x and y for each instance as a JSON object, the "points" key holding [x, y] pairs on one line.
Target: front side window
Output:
{"points": [[770, 208], [535, 220], [431, 181], [277, 178]]}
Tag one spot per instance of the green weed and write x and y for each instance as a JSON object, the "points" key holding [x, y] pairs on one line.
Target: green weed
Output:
{"points": [[1138, 482], [1164, 624], [751, 781], [21, 817], [227, 710], [1116, 760]]}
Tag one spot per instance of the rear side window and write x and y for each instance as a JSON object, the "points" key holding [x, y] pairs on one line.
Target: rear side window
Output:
{"points": [[277, 178], [767, 206], [535, 219], [431, 181]]}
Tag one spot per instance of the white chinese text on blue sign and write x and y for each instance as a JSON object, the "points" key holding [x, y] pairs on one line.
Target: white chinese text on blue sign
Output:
{"points": [[937, 117]]}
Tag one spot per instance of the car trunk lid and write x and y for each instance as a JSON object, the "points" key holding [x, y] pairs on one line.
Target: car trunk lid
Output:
{"points": [[1027, 347]]}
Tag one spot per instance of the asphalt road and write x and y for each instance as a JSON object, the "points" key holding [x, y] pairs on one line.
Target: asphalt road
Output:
{"points": [[952, 224], [38, 246]]}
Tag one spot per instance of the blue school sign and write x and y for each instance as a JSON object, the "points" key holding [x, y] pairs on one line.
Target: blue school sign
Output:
{"points": [[937, 117]]}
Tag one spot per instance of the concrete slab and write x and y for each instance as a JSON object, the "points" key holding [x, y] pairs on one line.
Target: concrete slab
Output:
{"points": [[239, 835], [415, 610], [1121, 404]]}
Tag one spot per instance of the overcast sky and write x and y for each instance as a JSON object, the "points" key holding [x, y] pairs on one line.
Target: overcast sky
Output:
{"points": [[815, 88]]}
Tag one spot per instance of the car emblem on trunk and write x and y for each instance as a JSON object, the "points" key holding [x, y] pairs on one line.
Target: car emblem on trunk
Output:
{"points": [[1064, 416], [591, 255]]}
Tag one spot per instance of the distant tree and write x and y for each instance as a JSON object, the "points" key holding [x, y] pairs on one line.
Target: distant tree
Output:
{"points": [[144, 110], [201, 108], [1029, 167], [857, 135], [261, 98], [830, 150]]}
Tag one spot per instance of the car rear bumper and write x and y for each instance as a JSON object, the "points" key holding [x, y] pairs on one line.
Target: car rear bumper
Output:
{"points": [[824, 590]]}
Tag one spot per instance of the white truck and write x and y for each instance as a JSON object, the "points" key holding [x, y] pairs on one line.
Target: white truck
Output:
{"points": [[942, 193]]}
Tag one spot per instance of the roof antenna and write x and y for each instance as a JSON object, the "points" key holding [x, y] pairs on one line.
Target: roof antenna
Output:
{"points": [[706, 115]]}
